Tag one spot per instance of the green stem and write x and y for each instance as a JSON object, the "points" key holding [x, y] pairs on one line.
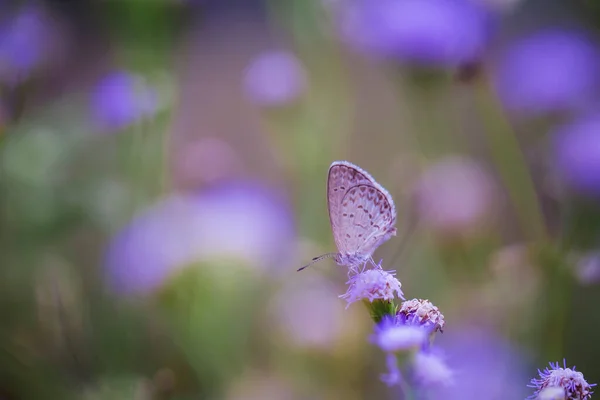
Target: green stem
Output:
{"points": [[559, 292], [408, 393], [510, 162]]}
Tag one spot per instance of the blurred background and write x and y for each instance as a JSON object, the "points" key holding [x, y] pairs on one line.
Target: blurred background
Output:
{"points": [[162, 177]]}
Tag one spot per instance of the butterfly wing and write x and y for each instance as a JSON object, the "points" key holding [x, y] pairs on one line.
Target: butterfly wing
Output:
{"points": [[367, 219], [342, 177]]}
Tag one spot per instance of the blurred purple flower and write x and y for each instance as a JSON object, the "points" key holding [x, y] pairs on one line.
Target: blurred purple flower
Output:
{"points": [[157, 242], [120, 99], [572, 382], [485, 365], [238, 221], [275, 78], [392, 337], [548, 71], [431, 33], [576, 150], [393, 376], [22, 43], [454, 196], [247, 221], [373, 284], [430, 370]]}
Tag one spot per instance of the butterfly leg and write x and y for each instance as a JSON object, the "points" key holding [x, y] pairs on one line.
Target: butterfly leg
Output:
{"points": [[377, 266], [364, 266], [352, 271]]}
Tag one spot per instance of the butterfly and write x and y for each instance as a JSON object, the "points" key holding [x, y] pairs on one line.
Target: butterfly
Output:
{"points": [[361, 212]]}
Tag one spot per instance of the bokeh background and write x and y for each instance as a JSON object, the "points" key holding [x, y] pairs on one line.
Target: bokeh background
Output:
{"points": [[162, 177]]}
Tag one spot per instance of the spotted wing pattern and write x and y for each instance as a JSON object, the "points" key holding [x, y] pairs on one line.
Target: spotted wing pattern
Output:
{"points": [[349, 187], [367, 220], [342, 176]]}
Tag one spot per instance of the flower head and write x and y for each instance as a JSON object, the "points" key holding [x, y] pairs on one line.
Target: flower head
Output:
{"points": [[552, 70], [421, 312], [572, 382], [429, 369], [373, 284], [275, 78], [393, 338]]}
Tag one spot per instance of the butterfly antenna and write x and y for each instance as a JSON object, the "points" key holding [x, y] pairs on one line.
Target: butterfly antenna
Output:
{"points": [[317, 259]]}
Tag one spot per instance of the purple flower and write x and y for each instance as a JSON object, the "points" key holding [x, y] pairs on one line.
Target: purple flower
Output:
{"points": [[393, 376], [431, 33], [371, 285], [248, 221], [236, 221], [22, 44], [409, 333], [120, 99], [275, 78], [486, 366], [572, 382], [576, 149], [430, 370], [156, 243], [392, 337], [548, 71]]}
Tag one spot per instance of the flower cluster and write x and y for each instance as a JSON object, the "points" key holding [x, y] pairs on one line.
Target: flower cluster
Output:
{"points": [[404, 332], [407, 336], [555, 379], [371, 285]]}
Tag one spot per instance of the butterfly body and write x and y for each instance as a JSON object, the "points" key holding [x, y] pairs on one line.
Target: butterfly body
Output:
{"points": [[361, 212]]}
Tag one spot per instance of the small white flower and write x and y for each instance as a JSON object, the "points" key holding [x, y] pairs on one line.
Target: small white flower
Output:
{"points": [[392, 339], [430, 370], [373, 284]]}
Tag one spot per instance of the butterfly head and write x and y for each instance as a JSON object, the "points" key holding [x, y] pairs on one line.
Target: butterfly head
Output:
{"points": [[351, 260]]}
